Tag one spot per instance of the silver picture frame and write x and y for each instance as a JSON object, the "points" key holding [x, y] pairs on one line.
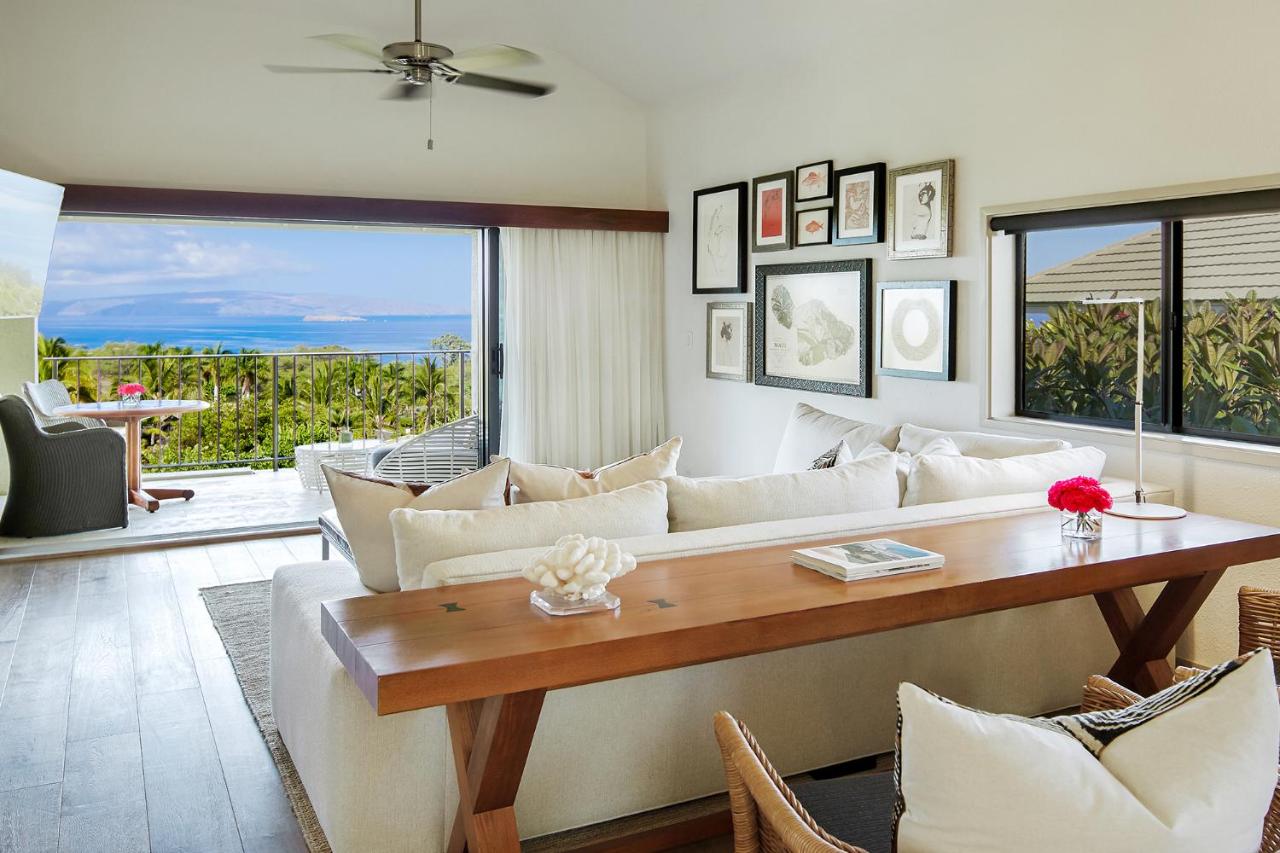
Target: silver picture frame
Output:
{"points": [[920, 236], [730, 341]]}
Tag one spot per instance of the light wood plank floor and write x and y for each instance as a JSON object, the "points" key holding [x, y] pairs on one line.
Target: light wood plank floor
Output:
{"points": [[122, 727]]}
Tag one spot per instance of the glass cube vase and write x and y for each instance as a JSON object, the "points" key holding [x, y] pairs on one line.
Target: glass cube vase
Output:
{"points": [[549, 601], [1082, 526]]}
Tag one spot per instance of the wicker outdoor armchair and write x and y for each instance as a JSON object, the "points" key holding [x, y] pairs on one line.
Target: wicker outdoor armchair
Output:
{"points": [[64, 479]]}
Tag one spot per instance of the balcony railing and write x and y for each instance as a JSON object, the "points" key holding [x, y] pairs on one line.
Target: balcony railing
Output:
{"points": [[262, 405]]}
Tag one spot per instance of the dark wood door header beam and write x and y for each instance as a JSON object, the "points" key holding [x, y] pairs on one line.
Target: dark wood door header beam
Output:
{"points": [[214, 204]]}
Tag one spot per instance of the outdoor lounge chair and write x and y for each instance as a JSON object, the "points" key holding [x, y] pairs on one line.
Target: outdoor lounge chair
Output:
{"points": [[44, 397], [435, 456]]}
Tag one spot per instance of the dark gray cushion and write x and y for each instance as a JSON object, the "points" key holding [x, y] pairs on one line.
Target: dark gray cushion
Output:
{"points": [[856, 809]]}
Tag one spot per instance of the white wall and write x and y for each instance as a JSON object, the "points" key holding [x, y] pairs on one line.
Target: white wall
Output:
{"points": [[1034, 101], [17, 365]]}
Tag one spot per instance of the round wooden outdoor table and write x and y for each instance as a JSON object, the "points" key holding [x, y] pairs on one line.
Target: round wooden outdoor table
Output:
{"points": [[132, 415]]}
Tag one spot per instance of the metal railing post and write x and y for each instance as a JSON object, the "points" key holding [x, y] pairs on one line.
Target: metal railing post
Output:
{"points": [[275, 413]]}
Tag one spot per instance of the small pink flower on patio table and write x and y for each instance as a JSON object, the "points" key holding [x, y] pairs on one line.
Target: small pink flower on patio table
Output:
{"points": [[130, 388]]}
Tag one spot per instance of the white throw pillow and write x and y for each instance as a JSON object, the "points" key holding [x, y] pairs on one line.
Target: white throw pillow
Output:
{"points": [[555, 483], [935, 478], [854, 487], [363, 505], [812, 432], [1191, 769], [423, 538], [913, 439], [940, 446]]}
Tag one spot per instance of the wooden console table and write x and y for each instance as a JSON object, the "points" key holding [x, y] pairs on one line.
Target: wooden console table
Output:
{"points": [[486, 654]]}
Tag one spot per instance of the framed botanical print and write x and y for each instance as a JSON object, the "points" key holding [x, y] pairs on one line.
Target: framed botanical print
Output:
{"points": [[729, 335], [859, 205], [812, 326], [920, 201], [720, 239], [813, 226], [813, 181], [774, 204], [916, 329]]}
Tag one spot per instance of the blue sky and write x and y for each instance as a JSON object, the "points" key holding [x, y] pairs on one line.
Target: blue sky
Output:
{"points": [[1047, 249], [408, 267]]}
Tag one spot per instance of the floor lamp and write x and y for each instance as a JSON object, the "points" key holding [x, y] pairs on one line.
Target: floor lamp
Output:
{"points": [[1140, 508]]}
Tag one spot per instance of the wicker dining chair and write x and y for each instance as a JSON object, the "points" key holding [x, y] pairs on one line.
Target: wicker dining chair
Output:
{"points": [[1260, 620]]}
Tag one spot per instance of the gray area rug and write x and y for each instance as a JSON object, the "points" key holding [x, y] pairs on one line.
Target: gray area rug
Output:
{"points": [[241, 613]]}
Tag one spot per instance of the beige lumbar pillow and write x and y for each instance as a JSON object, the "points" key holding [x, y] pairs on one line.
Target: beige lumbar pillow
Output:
{"points": [[426, 537], [364, 505], [555, 483], [913, 439], [936, 478], [857, 486], [940, 446]]}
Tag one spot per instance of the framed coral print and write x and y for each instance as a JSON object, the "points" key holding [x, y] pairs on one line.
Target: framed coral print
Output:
{"points": [[774, 205], [729, 335], [916, 323], [813, 181], [720, 239], [859, 205], [920, 201], [812, 329], [813, 226]]}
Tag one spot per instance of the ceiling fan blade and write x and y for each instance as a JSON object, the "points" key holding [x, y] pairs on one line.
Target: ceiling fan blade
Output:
{"points": [[502, 84], [359, 44], [408, 92], [492, 56], [315, 69]]}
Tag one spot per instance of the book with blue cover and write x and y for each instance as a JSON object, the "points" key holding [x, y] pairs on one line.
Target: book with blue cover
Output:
{"points": [[869, 559]]}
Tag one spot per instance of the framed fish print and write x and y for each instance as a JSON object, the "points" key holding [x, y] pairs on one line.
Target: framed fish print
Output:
{"points": [[720, 239], [859, 205], [920, 201], [729, 335], [813, 181], [813, 226], [774, 205], [917, 329], [812, 326]]}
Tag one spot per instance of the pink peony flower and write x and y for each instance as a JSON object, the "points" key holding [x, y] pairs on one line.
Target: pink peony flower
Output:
{"points": [[131, 388], [1079, 494]]}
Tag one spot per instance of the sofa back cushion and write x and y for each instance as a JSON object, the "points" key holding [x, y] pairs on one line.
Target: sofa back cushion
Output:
{"points": [[913, 439], [363, 505], [812, 432], [865, 484], [426, 537], [555, 483], [935, 478]]}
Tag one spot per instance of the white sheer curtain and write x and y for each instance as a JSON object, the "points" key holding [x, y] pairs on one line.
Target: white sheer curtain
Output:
{"points": [[583, 338]]}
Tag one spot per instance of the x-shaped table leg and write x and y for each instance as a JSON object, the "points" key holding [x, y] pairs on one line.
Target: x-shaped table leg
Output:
{"points": [[1145, 639]]}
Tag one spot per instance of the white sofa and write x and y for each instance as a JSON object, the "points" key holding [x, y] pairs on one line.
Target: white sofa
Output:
{"points": [[611, 749]]}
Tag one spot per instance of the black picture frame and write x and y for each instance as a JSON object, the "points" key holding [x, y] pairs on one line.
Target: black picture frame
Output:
{"points": [[947, 328], [862, 324], [822, 165], [801, 215], [739, 241], [878, 172], [788, 212]]}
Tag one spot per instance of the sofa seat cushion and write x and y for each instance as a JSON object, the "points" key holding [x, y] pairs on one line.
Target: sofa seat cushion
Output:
{"points": [[856, 809], [913, 439], [697, 504], [554, 483], [812, 432], [426, 537], [939, 479]]}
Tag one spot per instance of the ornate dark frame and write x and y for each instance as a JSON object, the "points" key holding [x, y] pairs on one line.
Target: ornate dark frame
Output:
{"points": [[741, 243], [788, 215], [948, 288], [861, 388], [878, 172]]}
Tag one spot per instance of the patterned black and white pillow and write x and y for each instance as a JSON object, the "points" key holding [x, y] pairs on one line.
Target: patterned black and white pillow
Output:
{"points": [[837, 455]]}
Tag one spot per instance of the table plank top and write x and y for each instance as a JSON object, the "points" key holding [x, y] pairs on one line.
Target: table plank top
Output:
{"points": [[423, 648], [118, 410]]}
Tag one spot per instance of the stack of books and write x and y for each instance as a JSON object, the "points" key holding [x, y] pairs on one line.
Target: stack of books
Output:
{"points": [[874, 558]]}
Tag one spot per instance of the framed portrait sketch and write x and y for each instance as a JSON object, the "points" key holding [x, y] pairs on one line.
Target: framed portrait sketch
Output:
{"points": [[813, 181], [859, 205], [729, 335], [812, 326], [813, 226], [916, 329], [774, 205], [720, 239], [920, 201]]}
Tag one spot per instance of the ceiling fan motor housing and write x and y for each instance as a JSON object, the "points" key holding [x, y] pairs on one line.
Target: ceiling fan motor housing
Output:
{"points": [[401, 54]]}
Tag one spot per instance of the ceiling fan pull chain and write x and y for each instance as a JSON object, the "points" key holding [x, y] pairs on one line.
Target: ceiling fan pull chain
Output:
{"points": [[431, 116]]}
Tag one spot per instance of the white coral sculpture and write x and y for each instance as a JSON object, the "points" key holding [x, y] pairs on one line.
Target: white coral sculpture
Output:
{"points": [[579, 568]]}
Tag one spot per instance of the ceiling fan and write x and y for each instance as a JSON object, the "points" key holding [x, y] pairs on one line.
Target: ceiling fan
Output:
{"points": [[419, 63]]}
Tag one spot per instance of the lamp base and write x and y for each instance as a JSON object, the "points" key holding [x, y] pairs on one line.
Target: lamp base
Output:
{"points": [[1147, 512]]}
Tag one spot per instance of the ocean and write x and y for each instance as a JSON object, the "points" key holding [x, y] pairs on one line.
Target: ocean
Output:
{"points": [[269, 334]]}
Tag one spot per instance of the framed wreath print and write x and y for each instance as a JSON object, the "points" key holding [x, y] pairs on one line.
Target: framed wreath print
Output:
{"points": [[812, 329], [813, 226], [813, 181], [774, 205], [859, 206], [720, 239], [920, 199], [917, 329], [729, 335]]}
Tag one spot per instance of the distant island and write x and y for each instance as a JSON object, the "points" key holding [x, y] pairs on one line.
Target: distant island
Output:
{"points": [[333, 318]]}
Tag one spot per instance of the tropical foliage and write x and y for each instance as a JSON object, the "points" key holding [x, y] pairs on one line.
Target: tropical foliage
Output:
{"points": [[1080, 362], [262, 406]]}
